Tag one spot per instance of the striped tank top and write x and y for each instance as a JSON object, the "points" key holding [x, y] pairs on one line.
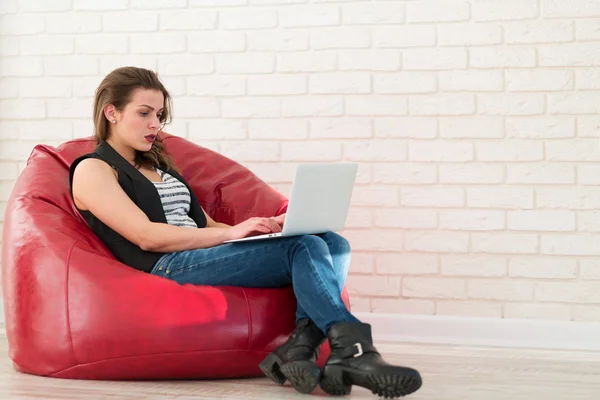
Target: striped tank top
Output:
{"points": [[175, 198]]}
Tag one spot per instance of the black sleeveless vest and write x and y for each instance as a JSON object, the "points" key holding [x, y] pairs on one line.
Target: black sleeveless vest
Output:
{"points": [[144, 194]]}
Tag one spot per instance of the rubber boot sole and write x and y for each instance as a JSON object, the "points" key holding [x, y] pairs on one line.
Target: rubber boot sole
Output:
{"points": [[388, 382], [270, 366], [303, 375]]}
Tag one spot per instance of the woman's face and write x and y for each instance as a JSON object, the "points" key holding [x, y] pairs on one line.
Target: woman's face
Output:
{"points": [[138, 123]]}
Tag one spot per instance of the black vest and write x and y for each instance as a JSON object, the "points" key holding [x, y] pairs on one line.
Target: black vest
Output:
{"points": [[144, 194]]}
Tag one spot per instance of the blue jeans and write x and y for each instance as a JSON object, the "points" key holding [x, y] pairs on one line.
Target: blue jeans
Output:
{"points": [[315, 265]]}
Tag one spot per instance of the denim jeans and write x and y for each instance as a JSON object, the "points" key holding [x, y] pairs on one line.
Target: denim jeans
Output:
{"points": [[315, 265]]}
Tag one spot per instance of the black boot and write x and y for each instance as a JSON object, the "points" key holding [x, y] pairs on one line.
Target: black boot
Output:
{"points": [[295, 360], [354, 361]]}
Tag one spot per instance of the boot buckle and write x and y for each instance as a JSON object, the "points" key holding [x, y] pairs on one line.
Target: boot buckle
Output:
{"points": [[359, 348]]}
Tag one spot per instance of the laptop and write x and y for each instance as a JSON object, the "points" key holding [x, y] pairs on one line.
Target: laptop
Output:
{"points": [[319, 201]]}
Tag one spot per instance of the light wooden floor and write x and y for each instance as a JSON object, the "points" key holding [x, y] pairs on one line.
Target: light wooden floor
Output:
{"points": [[449, 373]]}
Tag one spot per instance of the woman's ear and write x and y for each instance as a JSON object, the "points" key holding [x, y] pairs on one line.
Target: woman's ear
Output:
{"points": [[110, 112]]}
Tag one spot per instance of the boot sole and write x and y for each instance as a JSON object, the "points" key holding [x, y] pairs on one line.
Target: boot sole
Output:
{"points": [[303, 375], [270, 366], [338, 381]]}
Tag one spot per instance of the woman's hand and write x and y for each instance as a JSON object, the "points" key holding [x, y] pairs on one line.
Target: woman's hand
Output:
{"points": [[280, 219], [252, 225]]}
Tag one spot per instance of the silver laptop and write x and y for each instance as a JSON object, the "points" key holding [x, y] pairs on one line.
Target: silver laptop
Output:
{"points": [[319, 201]]}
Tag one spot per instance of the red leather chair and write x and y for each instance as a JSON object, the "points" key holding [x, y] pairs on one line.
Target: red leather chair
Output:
{"points": [[73, 311]]}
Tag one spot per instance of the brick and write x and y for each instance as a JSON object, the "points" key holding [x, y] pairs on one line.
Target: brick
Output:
{"points": [[530, 311], [472, 128], [405, 82], [23, 109], [216, 3], [575, 198], [403, 36], [187, 20], [278, 129], [307, 62], [472, 220], [269, 2], [379, 60], [587, 244], [502, 57], [93, 5], [383, 196], [359, 218], [277, 41], [466, 308], [251, 151], [568, 55], [266, 85], [377, 13], [363, 263], [130, 21], [579, 150], [216, 42], [404, 174], [97, 44], [351, 128], [499, 10], [70, 65], [434, 59], [417, 128], [469, 34], [587, 79], [545, 127], [471, 81], [443, 104], [373, 285], [219, 86], [588, 174], [525, 32], [23, 24], [539, 80], [311, 106], [567, 292], [472, 173], [209, 129], [158, 43], [20, 151], [247, 19], [375, 239], [405, 218], [473, 265], [505, 198], [8, 7], [573, 103], [340, 38], [75, 23], [587, 29], [511, 104], [516, 150], [432, 197], [589, 269], [6, 188], [340, 82], [491, 289], [434, 288], [9, 130], [588, 126], [9, 88], [188, 64], [32, 6], [552, 174], [586, 313], [441, 151], [509, 243], [46, 87], [196, 107], [360, 304], [403, 306], [437, 242], [311, 151], [406, 263], [158, 4], [570, 8], [309, 16], [246, 63], [378, 151], [10, 46], [542, 267], [588, 221], [251, 107], [376, 105], [8, 171], [109, 63], [541, 220], [21, 67], [438, 11], [273, 172]]}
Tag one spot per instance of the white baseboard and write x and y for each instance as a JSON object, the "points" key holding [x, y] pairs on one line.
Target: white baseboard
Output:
{"points": [[558, 335]]}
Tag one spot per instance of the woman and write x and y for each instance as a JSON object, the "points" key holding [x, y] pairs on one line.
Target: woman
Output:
{"points": [[128, 184]]}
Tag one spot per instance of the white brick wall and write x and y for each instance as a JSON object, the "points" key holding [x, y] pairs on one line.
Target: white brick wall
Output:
{"points": [[474, 123]]}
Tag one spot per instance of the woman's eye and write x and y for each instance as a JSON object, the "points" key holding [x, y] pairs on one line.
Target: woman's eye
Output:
{"points": [[143, 114]]}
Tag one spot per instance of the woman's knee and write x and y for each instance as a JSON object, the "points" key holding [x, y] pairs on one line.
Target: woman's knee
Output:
{"points": [[338, 242]]}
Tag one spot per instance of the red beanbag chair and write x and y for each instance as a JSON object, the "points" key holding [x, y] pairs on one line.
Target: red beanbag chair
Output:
{"points": [[73, 311]]}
